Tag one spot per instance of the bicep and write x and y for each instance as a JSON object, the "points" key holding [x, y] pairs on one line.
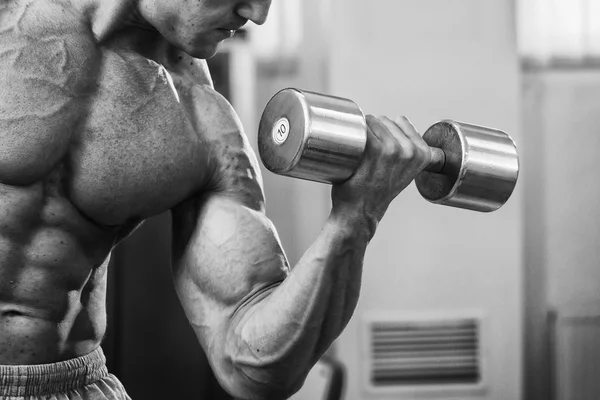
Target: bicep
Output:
{"points": [[225, 249], [223, 259]]}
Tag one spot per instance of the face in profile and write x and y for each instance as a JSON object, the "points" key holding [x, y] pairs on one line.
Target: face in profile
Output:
{"points": [[198, 26]]}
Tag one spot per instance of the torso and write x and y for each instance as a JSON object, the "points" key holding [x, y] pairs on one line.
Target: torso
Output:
{"points": [[93, 140]]}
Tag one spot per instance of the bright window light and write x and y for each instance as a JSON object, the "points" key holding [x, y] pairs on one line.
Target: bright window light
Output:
{"points": [[559, 30], [281, 35]]}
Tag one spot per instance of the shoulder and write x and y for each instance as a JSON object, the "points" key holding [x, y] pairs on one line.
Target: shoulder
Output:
{"points": [[234, 167], [47, 20], [214, 120], [234, 170], [49, 66], [50, 32], [49, 46]]}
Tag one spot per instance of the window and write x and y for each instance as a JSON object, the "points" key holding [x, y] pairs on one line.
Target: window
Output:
{"points": [[281, 35], [559, 32]]}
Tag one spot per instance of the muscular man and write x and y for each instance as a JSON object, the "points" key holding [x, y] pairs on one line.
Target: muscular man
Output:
{"points": [[108, 117]]}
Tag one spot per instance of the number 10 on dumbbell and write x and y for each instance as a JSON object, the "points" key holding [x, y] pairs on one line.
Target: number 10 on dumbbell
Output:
{"points": [[322, 138]]}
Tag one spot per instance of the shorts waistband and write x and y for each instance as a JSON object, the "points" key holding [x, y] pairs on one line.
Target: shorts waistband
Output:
{"points": [[46, 379]]}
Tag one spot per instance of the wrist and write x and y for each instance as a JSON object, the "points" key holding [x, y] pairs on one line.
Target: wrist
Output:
{"points": [[354, 218]]}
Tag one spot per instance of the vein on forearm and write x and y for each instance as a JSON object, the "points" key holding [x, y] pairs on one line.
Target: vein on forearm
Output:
{"points": [[303, 315]]}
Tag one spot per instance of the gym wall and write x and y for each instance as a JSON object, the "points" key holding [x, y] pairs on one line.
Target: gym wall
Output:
{"points": [[562, 278], [430, 60]]}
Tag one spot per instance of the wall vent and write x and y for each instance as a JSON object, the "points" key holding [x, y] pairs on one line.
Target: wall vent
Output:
{"points": [[424, 353]]}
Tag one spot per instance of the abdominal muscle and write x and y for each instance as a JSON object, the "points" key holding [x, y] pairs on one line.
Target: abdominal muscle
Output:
{"points": [[53, 273], [43, 321]]}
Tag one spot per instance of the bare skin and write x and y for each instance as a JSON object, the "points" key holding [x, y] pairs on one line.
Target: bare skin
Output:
{"points": [[108, 117]]}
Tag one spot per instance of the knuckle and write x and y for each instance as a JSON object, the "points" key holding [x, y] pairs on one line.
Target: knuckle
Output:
{"points": [[374, 146], [389, 149], [386, 137], [404, 122], [409, 151]]}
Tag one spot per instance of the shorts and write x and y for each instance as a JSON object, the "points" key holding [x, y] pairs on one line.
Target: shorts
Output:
{"points": [[82, 378]]}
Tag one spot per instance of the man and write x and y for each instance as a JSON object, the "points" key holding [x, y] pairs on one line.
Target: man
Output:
{"points": [[108, 117]]}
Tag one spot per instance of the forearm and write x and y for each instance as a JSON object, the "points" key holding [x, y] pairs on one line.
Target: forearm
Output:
{"points": [[261, 325], [286, 330]]}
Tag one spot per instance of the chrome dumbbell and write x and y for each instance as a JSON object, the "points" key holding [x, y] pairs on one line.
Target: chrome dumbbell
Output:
{"points": [[322, 138]]}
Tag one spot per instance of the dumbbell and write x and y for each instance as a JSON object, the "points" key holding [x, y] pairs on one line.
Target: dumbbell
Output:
{"points": [[322, 138]]}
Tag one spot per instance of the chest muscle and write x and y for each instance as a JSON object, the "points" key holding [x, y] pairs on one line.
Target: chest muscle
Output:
{"points": [[44, 76], [110, 119], [137, 154]]}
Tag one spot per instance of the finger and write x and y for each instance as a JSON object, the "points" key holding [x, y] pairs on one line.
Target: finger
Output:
{"points": [[421, 148], [397, 132], [373, 141], [374, 125], [409, 130]]}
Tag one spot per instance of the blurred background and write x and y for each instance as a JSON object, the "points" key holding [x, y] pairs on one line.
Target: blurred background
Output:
{"points": [[454, 304]]}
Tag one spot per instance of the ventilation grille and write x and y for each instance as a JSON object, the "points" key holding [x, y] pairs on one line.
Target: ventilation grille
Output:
{"points": [[417, 353]]}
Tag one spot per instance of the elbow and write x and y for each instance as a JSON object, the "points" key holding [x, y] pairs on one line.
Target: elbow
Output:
{"points": [[265, 385], [245, 382]]}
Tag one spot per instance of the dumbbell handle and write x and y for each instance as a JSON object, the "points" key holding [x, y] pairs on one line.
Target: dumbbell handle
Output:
{"points": [[438, 160]]}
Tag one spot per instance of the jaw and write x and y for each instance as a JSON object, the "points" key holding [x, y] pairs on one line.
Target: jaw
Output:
{"points": [[197, 45], [203, 53], [196, 37]]}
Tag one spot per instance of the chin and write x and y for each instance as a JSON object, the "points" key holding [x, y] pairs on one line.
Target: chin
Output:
{"points": [[198, 48], [202, 51]]}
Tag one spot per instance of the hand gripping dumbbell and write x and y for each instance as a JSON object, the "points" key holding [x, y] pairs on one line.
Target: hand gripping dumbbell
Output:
{"points": [[322, 138]]}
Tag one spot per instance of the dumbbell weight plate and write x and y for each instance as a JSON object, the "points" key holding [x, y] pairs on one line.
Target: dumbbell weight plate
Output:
{"points": [[312, 136], [481, 171]]}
